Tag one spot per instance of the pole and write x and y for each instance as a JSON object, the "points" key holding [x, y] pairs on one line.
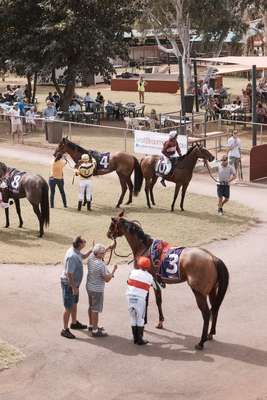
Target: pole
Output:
{"points": [[254, 100], [181, 82], [196, 85]]}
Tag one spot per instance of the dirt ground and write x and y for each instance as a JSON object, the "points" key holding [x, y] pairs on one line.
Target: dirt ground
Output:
{"points": [[231, 367]]}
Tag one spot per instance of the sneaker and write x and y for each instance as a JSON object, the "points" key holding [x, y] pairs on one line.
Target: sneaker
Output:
{"points": [[67, 334], [220, 211], [90, 328], [78, 325], [163, 182], [99, 333]]}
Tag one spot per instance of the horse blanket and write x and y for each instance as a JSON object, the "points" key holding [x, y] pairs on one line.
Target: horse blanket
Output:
{"points": [[102, 159], [13, 180], [166, 258]]}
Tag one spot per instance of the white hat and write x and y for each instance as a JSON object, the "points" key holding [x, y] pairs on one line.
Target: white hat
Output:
{"points": [[172, 134], [85, 157]]}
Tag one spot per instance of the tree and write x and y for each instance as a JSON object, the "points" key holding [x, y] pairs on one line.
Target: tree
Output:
{"points": [[80, 37]]}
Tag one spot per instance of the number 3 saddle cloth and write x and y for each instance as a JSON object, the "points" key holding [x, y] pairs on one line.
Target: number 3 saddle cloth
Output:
{"points": [[167, 258]]}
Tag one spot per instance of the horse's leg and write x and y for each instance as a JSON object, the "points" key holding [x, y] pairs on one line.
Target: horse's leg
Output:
{"points": [[153, 182], [184, 188], [7, 217], [176, 192], [158, 297], [123, 189], [212, 297], [40, 218], [147, 191], [17, 204], [130, 187], [203, 306]]}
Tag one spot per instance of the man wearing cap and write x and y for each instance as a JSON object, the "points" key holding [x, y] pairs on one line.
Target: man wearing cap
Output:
{"points": [[226, 174], [170, 151], [138, 286], [85, 171], [16, 124]]}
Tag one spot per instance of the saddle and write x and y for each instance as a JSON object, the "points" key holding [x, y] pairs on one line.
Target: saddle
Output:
{"points": [[161, 166], [166, 258], [102, 159]]}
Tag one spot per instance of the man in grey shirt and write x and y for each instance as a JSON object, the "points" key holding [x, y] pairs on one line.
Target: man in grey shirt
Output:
{"points": [[71, 279], [226, 174], [98, 275]]}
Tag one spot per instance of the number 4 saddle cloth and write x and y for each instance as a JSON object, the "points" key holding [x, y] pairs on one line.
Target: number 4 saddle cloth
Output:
{"points": [[167, 258], [102, 159]]}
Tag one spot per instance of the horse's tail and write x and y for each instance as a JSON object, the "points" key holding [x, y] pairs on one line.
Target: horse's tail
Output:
{"points": [[223, 281], [45, 204], [138, 177]]}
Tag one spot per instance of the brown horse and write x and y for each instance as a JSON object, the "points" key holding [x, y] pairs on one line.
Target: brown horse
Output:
{"points": [[33, 187], [181, 175], [122, 163], [206, 274]]}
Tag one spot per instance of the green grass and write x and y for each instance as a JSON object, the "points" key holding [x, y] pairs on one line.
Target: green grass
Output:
{"points": [[198, 225]]}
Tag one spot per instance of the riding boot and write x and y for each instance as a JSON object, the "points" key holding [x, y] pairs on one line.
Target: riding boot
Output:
{"points": [[89, 206], [134, 331], [163, 182], [140, 332], [80, 205]]}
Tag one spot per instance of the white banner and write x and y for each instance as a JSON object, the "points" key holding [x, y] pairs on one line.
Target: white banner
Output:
{"points": [[147, 142]]}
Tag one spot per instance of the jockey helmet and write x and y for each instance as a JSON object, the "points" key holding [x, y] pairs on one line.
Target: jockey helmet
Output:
{"points": [[172, 134], [143, 262], [85, 157]]}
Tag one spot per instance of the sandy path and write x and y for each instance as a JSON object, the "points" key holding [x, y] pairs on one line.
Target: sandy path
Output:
{"points": [[232, 367]]}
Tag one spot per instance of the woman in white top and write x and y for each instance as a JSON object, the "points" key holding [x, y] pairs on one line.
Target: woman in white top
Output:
{"points": [[234, 153]]}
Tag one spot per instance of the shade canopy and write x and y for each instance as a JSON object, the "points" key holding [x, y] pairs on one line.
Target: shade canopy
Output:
{"points": [[242, 62]]}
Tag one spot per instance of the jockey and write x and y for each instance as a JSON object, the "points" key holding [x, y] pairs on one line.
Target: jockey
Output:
{"points": [[139, 283], [170, 151], [85, 170]]}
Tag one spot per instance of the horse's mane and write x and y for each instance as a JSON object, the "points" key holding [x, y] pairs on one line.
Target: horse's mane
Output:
{"points": [[188, 152], [75, 146], [136, 230]]}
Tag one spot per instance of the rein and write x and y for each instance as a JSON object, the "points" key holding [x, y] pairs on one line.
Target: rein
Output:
{"points": [[210, 173]]}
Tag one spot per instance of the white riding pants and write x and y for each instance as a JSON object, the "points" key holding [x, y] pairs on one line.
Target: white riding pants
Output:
{"points": [[85, 186], [137, 309]]}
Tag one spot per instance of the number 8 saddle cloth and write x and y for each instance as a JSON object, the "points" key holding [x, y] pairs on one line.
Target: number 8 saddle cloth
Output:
{"points": [[166, 258], [13, 180]]}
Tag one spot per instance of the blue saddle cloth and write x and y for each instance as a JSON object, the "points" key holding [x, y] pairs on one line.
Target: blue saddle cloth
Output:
{"points": [[102, 159], [13, 180], [167, 258]]}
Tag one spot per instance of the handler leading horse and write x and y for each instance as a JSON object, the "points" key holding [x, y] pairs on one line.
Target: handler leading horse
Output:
{"points": [[122, 163], [181, 174], [206, 274], [24, 184]]}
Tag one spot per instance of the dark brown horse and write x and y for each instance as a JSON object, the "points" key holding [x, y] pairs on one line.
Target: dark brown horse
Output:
{"points": [[206, 274], [181, 175], [122, 163], [23, 184]]}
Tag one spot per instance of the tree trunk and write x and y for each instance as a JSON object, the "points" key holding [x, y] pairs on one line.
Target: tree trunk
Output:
{"points": [[34, 87], [29, 87], [69, 91]]}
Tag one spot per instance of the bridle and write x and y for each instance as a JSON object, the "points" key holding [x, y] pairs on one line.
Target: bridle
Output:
{"points": [[209, 171]]}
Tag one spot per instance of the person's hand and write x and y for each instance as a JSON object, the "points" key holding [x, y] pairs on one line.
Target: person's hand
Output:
{"points": [[75, 291], [115, 267]]}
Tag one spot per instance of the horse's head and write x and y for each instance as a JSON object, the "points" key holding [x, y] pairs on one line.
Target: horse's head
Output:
{"points": [[203, 153], [115, 228], [61, 148], [3, 169]]}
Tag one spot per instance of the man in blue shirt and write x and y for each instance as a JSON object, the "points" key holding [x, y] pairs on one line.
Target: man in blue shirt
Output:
{"points": [[71, 279]]}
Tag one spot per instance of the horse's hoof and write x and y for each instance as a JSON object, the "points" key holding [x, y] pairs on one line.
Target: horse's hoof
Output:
{"points": [[117, 206], [210, 336], [199, 346], [128, 202], [172, 209], [160, 325], [182, 209], [153, 204], [20, 226], [6, 226]]}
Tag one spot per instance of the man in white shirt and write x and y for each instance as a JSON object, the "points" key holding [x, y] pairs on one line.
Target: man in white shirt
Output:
{"points": [[16, 124], [234, 154], [139, 283], [226, 174]]}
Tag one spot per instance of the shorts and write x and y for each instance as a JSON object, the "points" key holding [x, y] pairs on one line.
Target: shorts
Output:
{"points": [[96, 300], [223, 191], [69, 299], [233, 161]]}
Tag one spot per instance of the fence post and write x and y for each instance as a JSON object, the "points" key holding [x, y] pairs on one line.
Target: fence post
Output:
{"points": [[254, 100], [69, 130]]}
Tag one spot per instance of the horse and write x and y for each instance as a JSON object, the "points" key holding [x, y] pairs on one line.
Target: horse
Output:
{"points": [[122, 163], [23, 184], [206, 274], [181, 175]]}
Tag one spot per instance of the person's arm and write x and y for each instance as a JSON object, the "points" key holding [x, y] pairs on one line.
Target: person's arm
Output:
{"points": [[178, 149], [70, 276], [109, 276]]}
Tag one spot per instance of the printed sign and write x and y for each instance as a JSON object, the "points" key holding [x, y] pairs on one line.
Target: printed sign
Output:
{"points": [[147, 142]]}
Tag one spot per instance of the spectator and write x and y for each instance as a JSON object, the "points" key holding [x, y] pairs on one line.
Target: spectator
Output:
{"points": [[261, 113], [9, 94], [49, 97], [141, 89], [74, 106], [234, 154], [19, 93], [56, 179], [154, 119], [88, 100], [210, 91], [71, 279], [98, 275], [226, 174], [49, 113], [2, 99], [16, 124], [30, 120], [246, 102], [100, 99], [56, 99]]}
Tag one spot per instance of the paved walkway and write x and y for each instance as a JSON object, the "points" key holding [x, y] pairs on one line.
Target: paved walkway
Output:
{"points": [[232, 367]]}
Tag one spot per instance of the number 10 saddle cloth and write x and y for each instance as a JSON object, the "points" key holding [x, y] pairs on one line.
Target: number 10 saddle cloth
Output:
{"points": [[167, 258]]}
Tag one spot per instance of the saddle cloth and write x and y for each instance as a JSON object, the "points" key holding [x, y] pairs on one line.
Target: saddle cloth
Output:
{"points": [[13, 180], [102, 159], [166, 258], [161, 166]]}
